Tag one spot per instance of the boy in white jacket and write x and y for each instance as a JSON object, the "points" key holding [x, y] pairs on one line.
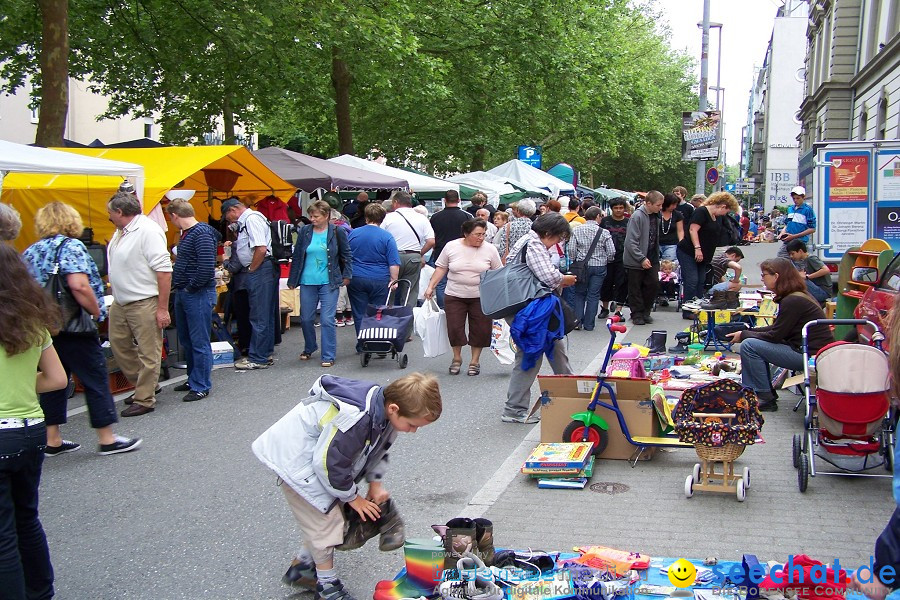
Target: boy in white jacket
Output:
{"points": [[333, 439]]}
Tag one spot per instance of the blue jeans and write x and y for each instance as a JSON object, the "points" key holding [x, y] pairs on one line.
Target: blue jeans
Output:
{"points": [[568, 296], [363, 292], [310, 296], [668, 252], [587, 296], [693, 274], [193, 318], [816, 292], [261, 293], [83, 356], [756, 355], [25, 569]]}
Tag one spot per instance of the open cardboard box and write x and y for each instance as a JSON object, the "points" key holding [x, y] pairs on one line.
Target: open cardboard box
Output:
{"points": [[570, 394]]}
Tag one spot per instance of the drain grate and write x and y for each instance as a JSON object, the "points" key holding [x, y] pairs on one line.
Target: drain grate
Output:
{"points": [[609, 487]]}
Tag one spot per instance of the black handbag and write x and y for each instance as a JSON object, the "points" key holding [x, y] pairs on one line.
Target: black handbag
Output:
{"points": [[75, 320], [578, 268]]}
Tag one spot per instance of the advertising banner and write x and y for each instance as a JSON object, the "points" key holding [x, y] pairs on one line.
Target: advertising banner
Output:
{"points": [[846, 219], [887, 223], [700, 131], [887, 186]]}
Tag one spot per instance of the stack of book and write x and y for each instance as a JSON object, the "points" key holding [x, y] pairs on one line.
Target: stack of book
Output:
{"points": [[560, 466]]}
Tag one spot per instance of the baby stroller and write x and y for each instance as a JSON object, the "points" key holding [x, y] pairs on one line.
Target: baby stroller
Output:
{"points": [[849, 420], [720, 418], [384, 329]]}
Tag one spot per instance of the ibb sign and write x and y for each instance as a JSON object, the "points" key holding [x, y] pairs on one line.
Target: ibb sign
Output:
{"points": [[531, 155]]}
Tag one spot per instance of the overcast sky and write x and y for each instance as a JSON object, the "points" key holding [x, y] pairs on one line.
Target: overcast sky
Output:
{"points": [[747, 27]]}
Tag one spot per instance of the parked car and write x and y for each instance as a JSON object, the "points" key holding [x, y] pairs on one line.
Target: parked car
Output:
{"points": [[878, 300]]}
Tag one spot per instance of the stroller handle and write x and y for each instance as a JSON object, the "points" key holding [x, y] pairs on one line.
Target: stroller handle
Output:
{"points": [[839, 322]]}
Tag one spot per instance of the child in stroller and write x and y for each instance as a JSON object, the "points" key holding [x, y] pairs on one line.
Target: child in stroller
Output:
{"points": [[668, 283]]}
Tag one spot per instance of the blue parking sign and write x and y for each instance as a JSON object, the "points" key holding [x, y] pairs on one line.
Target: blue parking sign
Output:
{"points": [[729, 187], [531, 155]]}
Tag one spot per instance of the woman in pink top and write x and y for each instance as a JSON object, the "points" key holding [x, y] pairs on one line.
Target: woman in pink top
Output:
{"points": [[463, 261]]}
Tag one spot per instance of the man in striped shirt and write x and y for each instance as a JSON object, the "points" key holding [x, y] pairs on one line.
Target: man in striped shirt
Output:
{"points": [[194, 284], [587, 289]]}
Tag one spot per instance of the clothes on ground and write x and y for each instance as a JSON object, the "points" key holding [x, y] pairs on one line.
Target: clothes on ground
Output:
{"points": [[195, 267], [580, 243], [135, 254], [794, 311], [465, 265], [374, 250], [73, 258], [617, 230], [800, 218], [18, 398], [708, 235]]}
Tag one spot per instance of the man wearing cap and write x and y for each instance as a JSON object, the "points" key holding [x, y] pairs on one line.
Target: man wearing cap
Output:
{"points": [[801, 222], [254, 272], [414, 237]]}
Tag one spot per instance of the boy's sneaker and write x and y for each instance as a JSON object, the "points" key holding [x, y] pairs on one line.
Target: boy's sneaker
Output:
{"points": [[245, 364], [333, 590], [339, 321], [300, 574], [122, 444], [66, 446], [524, 419], [348, 321]]}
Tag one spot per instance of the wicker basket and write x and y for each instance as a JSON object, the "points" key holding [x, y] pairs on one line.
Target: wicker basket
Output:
{"points": [[725, 453]]}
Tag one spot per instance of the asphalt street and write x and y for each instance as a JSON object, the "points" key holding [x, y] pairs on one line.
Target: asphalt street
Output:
{"points": [[194, 514]]}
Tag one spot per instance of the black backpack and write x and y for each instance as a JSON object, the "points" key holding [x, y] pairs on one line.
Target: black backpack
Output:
{"points": [[730, 234], [282, 241]]}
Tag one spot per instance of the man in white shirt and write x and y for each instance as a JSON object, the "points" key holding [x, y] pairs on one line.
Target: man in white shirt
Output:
{"points": [[256, 274], [414, 237], [140, 273]]}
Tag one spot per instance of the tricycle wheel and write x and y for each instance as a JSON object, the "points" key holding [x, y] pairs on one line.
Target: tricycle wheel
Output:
{"points": [[364, 359], [574, 432], [689, 486], [404, 360], [795, 450], [803, 472]]}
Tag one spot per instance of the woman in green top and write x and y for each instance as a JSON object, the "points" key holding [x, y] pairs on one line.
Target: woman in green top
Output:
{"points": [[26, 315]]}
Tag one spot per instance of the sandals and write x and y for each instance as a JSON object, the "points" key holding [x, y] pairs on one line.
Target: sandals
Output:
{"points": [[305, 355], [327, 363], [474, 369], [454, 367]]}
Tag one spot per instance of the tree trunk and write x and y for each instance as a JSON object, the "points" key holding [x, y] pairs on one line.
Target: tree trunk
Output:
{"points": [[340, 79], [54, 62], [227, 119], [478, 158]]}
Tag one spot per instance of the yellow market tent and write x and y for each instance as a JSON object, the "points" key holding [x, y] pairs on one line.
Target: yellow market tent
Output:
{"points": [[214, 172]]}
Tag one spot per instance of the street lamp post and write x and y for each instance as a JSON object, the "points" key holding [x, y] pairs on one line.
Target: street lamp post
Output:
{"points": [[706, 25], [704, 83]]}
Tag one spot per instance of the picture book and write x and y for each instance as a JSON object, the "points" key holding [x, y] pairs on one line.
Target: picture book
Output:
{"points": [[586, 472], [559, 456], [562, 483]]}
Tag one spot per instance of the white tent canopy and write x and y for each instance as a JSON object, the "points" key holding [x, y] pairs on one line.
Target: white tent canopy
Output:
{"points": [[19, 158], [516, 170], [492, 185], [417, 182]]}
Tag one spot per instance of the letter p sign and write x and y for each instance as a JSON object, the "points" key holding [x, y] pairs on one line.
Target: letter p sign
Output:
{"points": [[529, 152]]}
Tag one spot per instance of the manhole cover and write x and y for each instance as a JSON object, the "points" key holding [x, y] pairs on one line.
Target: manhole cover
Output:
{"points": [[609, 487]]}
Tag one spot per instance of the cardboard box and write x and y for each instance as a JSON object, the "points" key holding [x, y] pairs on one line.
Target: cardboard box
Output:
{"points": [[570, 394], [223, 353], [290, 299]]}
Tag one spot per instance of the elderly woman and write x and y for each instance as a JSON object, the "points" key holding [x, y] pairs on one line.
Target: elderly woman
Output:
{"points": [[321, 264], [519, 225], [780, 343], [58, 225], [695, 252], [376, 265], [548, 231], [10, 223], [463, 261]]}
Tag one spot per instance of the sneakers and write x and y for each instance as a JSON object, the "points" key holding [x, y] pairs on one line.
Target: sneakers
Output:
{"points": [[301, 575], [339, 322], [63, 448], [122, 444], [182, 387], [193, 396], [333, 590], [524, 419], [245, 364], [475, 581], [604, 313], [348, 321]]}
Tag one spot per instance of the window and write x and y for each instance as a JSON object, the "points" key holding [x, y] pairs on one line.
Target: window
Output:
{"points": [[873, 16], [148, 130]]}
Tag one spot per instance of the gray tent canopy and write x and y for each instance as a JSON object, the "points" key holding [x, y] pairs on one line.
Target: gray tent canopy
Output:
{"points": [[309, 173]]}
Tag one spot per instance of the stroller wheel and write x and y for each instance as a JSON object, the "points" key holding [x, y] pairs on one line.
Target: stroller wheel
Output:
{"points": [[746, 478], [364, 359], [696, 473], [795, 451], [741, 490], [689, 486], [403, 361], [803, 472]]}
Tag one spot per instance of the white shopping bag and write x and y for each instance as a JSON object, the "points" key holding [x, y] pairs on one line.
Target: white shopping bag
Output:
{"points": [[424, 279], [501, 342], [433, 330]]}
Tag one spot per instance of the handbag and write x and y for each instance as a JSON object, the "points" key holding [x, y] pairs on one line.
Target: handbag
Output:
{"points": [[506, 291], [578, 268], [75, 320]]}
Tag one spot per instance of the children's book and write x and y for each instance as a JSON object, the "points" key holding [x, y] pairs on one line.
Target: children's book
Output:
{"points": [[560, 456], [562, 483], [587, 472]]}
